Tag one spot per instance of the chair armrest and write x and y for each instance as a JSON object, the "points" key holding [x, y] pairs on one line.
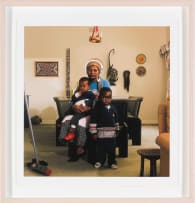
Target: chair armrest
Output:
{"points": [[62, 105], [163, 140], [125, 125], [162, 118]]}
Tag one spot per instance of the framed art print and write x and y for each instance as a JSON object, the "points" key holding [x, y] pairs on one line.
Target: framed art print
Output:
{"points": [[174, 188], [46, 68]]}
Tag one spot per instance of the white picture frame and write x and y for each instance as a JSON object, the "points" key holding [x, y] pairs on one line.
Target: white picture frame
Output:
{"points": [[174, 187]]}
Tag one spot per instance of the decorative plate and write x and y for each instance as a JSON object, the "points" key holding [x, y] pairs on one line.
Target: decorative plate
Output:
{"points": [[141, 71], [141, 59]]}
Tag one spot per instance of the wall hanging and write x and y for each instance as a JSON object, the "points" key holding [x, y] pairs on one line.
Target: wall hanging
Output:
{"points": [[68, 73], [141, 71], [165, 53], [126, 77], [46, 68], [96, 35], [140, 58], [112, 73]]}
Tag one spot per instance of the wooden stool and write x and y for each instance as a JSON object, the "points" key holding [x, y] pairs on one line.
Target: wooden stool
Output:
{"points": [[151, 154]]}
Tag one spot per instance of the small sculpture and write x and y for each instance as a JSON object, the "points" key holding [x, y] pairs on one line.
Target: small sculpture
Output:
{"points": [[112, 73]]}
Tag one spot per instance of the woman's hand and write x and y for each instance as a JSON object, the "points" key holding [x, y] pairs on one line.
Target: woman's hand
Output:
{"points": [[84, 108], [76, 108], [80, 108]]}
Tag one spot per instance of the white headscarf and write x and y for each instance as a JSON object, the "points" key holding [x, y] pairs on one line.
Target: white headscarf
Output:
{"points": [[95, 61]]}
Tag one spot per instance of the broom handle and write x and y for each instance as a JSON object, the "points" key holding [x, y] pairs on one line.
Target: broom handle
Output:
{"points": [[31, 130]]}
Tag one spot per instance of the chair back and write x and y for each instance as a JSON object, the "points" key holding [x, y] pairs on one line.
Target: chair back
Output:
{"points": [[134, 104]]}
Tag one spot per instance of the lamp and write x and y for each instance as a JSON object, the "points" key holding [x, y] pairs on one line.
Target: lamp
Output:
{"points": [[96, 35]]}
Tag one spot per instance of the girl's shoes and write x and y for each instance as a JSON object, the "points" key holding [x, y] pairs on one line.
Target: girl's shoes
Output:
{"points": [[113, 166], [97, 165]]}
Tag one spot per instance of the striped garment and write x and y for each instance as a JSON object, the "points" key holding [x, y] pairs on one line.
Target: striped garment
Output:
{"points": [[106, 132], [104, 121]]}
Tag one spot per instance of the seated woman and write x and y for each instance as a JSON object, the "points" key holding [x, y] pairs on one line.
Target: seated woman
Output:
{"points": [[94, 68]]}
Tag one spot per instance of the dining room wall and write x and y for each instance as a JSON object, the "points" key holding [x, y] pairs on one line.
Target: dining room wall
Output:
{"points": [[50, 44]]}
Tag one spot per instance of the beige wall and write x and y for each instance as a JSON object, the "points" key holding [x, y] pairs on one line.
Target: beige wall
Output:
{"points": [[50, 43]]}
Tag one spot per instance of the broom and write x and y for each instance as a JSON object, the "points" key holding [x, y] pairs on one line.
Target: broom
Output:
{"points": [[36, 164]]}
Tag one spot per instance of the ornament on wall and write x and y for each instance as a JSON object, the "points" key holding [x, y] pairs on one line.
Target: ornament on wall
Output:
{"points": [[165, 53], [96, 35], [141, 71], [140, 58], [112, 73], [68, 73], [126, 77]]}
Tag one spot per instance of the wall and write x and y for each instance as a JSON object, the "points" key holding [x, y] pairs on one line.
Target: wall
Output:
{"points": [[50, 43]]}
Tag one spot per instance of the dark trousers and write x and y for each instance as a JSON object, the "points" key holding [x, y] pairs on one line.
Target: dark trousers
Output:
{"points": [[106, 147], [72, 150], [91, 149]]}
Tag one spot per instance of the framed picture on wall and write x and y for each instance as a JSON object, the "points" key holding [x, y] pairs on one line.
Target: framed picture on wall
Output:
{"points": [[46, 68]]}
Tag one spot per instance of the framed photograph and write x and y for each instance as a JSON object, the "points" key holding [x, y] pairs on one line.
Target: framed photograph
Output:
{"points": [[46, 68], [173, 189]]}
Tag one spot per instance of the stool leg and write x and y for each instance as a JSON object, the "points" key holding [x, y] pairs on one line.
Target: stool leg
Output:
{"points": [[152, 167], [155, 168], [142, 167]]}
